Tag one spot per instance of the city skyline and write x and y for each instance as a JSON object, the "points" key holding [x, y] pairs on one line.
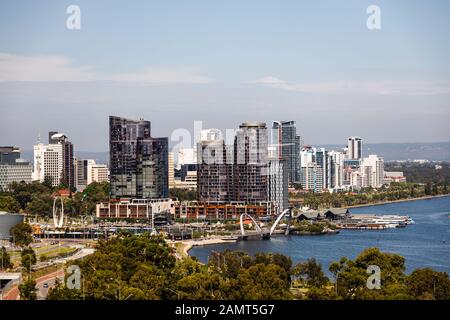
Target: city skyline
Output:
{"points": [[179, 63]]}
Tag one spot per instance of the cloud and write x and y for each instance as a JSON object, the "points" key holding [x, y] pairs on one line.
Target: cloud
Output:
{"points": [[367, 87], [60, 68]]}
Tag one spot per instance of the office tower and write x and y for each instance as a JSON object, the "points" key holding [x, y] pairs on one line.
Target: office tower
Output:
{"points": [[138, 162], [336, 169], [372, 171], [54, 162], [277, 186], [171, 170], [311, 177], [214, 172], [12, 168], [98, 173], [250, 163], [87, 172], [82, 167], [48, 163], [311, 174], [9, 155], [68, 168], [286, 144], [323, 161], [234, 173], [354, 148]]}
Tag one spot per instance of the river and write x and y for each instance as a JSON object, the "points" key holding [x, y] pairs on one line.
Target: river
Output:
{"points": [[423, 244]]}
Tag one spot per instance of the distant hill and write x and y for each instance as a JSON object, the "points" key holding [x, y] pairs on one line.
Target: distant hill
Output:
{"points": [[435, 151]]}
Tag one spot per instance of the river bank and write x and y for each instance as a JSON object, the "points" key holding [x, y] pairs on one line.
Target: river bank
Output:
{"points": [[425, 244], [396, 201], [183, 247]]}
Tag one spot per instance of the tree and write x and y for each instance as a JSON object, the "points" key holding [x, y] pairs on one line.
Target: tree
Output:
{"points": [[60, 292], [259, 282], [5, 259], [22, 234], [311, 273], [24, 192], [40, 205], [9, 204], [28, 259], [428, 190], [28, 290], [429, 284], [352, 276]]}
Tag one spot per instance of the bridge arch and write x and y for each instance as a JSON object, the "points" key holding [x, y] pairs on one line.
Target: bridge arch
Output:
{"points": [[277, 221], [241, 223], [58, 213]]}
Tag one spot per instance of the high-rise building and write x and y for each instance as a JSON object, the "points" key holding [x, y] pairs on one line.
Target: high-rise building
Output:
{"points": [[98, 173], [82, 168], [250, 163], [311, 177], [87, 172], [286, 144], [277, 186], [354, 148], [48, 163], [12, 168], [171, 170], [311, 173], [336, 169], [372, 171], [9, 155], [214, 172], [138, 162], [234, 173], [54, 162], [323, 160], [68, 168]]}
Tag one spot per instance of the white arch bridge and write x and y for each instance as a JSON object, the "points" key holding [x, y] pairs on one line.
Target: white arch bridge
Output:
{"points": [[265, 233]]}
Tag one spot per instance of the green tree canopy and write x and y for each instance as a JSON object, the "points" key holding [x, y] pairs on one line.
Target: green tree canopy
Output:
{"points": [[28, 290], [22, 234], [5, 259], [9, 204]]}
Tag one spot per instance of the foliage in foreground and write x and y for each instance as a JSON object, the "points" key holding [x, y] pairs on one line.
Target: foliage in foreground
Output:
{"points": [[143, 267]]}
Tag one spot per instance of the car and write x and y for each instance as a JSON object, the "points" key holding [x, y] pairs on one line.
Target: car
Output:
{"points": [[45, 285]]}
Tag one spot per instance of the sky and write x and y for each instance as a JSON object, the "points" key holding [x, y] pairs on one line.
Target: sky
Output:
{"points": [[223, 63]]}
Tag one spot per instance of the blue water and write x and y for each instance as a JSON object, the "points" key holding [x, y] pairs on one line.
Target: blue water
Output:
{"points": [[423, 244]]}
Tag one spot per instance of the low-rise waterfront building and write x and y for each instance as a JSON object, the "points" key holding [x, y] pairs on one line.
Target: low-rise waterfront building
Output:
{"points": [[134, 208]]}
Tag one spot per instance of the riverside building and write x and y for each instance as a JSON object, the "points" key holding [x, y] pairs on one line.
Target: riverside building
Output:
{"points": [[138, 162]]}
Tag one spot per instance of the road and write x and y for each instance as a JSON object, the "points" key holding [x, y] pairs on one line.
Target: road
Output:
{"points": [[50, 278]]}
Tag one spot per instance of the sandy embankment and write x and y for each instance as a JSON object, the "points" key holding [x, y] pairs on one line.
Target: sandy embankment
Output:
{"points": [[187, 245]]}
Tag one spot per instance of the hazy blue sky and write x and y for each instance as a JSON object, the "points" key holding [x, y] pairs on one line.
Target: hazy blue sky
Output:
{"points": [[224, 62]]}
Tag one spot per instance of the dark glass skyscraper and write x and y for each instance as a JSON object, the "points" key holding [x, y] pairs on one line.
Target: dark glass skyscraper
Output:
{"points": [[250, 168], [234, 173], [138, 162], [287, 145]]}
